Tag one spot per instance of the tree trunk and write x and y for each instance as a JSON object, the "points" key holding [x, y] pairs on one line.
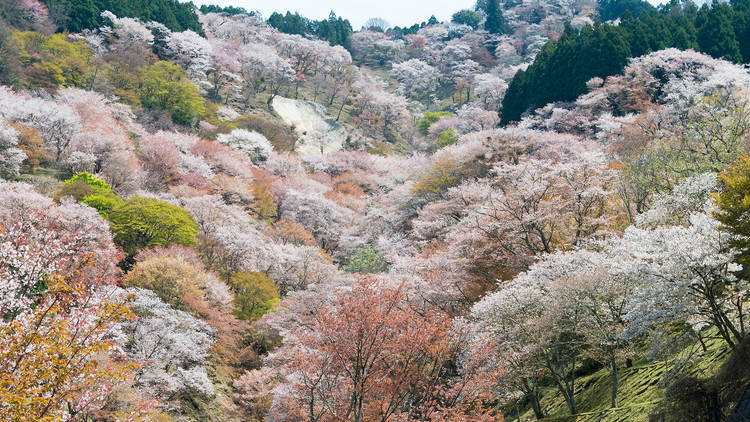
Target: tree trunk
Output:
{"points": [[570, 399], [343, 103], [565, 382], [538, 412], [532, 394], [613, 372], [312, 407]]}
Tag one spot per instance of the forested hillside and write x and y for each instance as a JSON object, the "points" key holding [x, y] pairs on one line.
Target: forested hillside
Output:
{"points": [[77, 15], [560, 71], [520, 214]]}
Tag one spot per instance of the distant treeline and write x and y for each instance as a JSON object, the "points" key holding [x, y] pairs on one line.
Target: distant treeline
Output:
{"points": [[77, 15], [335, 30], [230, 10]]}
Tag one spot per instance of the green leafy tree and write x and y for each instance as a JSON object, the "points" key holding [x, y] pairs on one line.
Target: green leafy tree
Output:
{"points": [[88, 179], [254, 294], [145, 222], [102, 202], [52, 61], [96, 193], [81, 185], [446, 137], [166, 86], [742, 26], [230, 10], [335, 30], [603, 51], [366, 260], [467, 17], [514, 101], [172, 279], [733, 205], [613, 9]]}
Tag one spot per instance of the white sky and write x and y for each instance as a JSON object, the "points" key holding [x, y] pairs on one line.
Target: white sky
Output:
{"points": [[396, 12]]}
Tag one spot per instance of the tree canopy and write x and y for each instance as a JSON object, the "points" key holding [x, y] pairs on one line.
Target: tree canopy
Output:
{"points": [[143, 222], [166, 86]]}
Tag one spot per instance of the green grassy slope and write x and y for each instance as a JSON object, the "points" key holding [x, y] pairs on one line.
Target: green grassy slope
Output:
{"points": [[640, 390]]}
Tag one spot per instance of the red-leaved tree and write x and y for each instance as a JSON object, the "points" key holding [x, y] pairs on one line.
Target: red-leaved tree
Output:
{"points": [[371, 355]]}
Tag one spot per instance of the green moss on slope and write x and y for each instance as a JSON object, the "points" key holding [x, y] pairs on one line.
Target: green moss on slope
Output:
{"points": [[640, 391]]}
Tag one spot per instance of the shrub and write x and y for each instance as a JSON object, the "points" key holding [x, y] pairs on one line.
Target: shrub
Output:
{"points": [[443, 175], [254, 294], [88, 179], [263, 207], [82, 185], [280, 137], [366, 260], [172, 279], [429, 118], [446, 137], [166, 86]]}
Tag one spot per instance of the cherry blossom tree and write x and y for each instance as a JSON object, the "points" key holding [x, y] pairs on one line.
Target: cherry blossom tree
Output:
{"points": [[377, 110], [57, 123], [128, 30], [505, 323], [186, 48], [308, 56], [372, 47], [102, 144], [525, 216], [240, 27], [542, 321], [21, 202], [261, 65], [11, 157], [37, 14], [296, 267], [173, 344], [257, 147], [416, 78], [159, 159], [224, 159], [690, 268], [325, 219], [254, 391], [490, 89]]}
